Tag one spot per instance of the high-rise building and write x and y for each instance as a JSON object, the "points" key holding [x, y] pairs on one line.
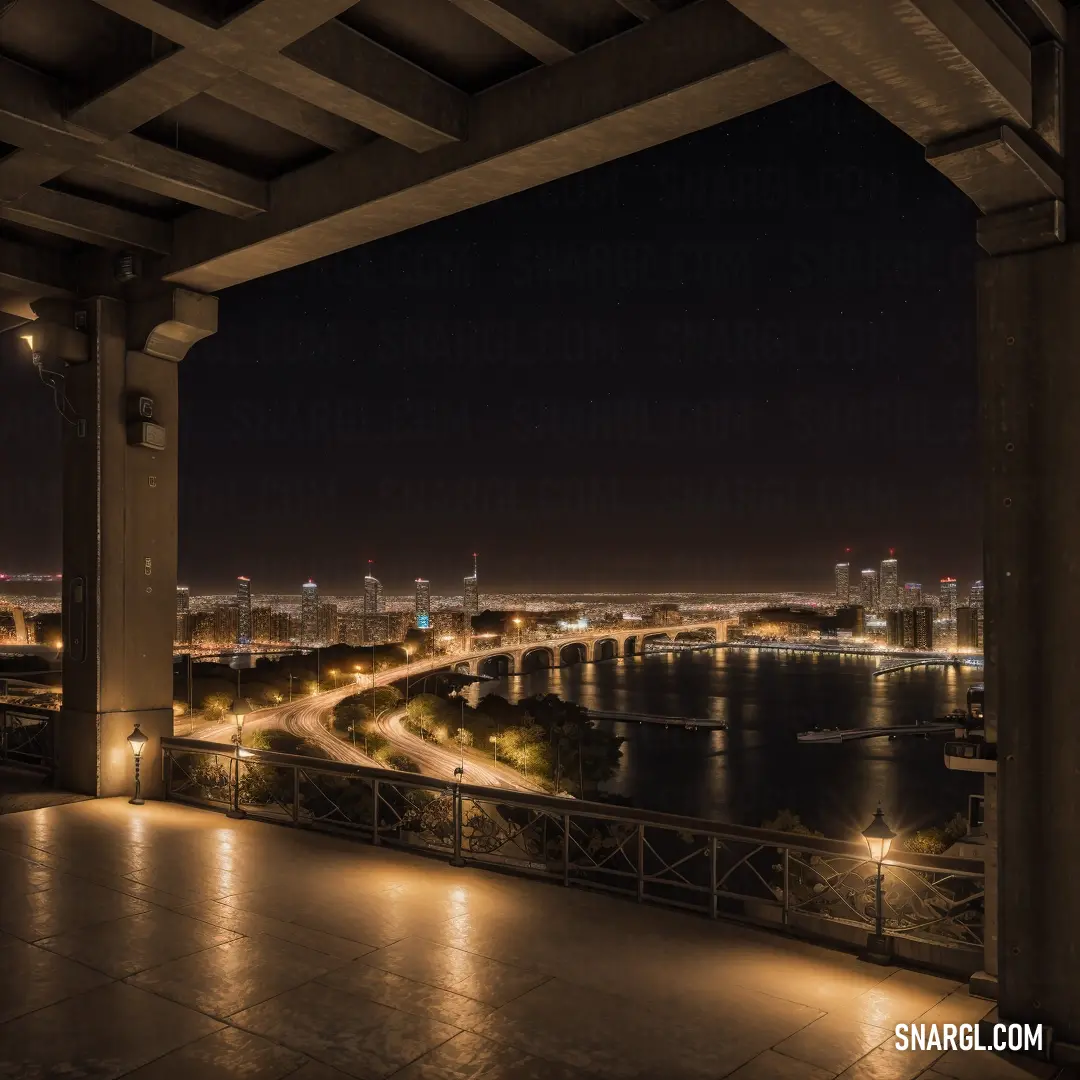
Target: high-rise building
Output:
{"points": [[423, 604], [890, 584], [329, 630], [843, 583], [968, 624], [975, 597], [260, 625], [309, 615], [373, 601], [243, 611], [912, 595], [283, 627], [947, 593], [923, 627], [182, 636], [868, 593], [471, 605]]}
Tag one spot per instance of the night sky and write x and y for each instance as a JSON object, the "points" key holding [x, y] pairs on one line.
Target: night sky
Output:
{"points": [[710, 366]]}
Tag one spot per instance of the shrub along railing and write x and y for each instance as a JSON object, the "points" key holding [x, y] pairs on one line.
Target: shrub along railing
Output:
{"points": [[28, 737], [802, 882]]}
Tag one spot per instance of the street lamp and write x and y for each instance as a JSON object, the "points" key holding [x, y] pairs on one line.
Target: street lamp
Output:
{"points": [[137, 741], [517, 623], [494, 740], [408, 657], [239, 711], [879, 838]]}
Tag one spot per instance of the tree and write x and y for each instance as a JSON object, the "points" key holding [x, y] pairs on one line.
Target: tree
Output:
{"points": [[216, 706], [464, 738], [525, 746], [382, 701], [421, 712], [273, 697], [349, 713]]}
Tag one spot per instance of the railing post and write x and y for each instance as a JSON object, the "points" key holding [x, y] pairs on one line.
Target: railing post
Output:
{"points": [[375, 810], [457, 860], [787, 886], [296, 795], [3, 734], [566, 849], [712, 877], [166, 772], [640, 863]]}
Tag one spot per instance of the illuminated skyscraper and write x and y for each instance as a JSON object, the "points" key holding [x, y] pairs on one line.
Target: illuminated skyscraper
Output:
{"points": [[183, 615], [472, 592], [843, 582], [243, 611], [968, 624], [975, 597], [373, 601], [309, 615], [423, 604], [890, 584], [912, 595], [868, 593], [923, 619], [947, 594]]}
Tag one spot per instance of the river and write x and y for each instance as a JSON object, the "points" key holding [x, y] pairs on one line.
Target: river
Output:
{"points": [[756, 767]]}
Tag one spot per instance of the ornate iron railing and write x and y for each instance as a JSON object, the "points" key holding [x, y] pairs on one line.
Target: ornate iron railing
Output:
{"points": [[28, 736], [756, 874]]}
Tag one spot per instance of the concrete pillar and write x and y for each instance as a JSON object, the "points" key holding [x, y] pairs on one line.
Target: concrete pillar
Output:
{"points": [[1029, 344], [119, 537]]}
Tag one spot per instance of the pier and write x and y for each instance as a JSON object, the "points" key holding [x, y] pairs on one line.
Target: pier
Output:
{"points": [[839, 735], [688, 722]]}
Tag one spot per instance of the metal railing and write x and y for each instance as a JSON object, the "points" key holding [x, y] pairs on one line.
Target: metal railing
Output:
{"points": [[764, 876], [28, 737]]}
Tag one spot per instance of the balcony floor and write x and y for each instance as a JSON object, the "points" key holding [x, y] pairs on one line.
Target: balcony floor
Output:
{"points": [[166, 942]]}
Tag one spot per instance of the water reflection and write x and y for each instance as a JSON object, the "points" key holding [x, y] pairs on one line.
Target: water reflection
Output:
{"points": [[756, 768]]}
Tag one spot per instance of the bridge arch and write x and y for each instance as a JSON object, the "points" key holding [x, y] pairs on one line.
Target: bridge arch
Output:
{"points": [[537, 658], [496, 666], [605, 649], [656, 638], [573, 652]]}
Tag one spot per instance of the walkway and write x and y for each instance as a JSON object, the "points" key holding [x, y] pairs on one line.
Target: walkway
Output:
{"points": [[165, 942]]}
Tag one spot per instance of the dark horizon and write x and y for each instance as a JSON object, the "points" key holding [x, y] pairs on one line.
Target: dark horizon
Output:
{"points": [[710, 367]]}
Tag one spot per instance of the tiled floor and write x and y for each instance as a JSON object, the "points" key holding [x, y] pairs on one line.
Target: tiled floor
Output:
{"points": [[162, 942]]}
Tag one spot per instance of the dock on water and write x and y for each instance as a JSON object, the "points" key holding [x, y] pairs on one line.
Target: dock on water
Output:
{"points": [[690, 723], [839, 735]]}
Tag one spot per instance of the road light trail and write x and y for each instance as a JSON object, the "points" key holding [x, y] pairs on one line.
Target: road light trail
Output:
{"points": [[304, 718], [441, 762]]}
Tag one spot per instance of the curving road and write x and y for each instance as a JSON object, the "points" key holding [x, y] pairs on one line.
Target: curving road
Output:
{"points": [[307, 718]]}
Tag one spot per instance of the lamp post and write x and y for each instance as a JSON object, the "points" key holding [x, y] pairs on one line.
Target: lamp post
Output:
{"points": [[137, 741], [517, 623], [408, 657], [494, 740], [239, 711], [879, 838]]}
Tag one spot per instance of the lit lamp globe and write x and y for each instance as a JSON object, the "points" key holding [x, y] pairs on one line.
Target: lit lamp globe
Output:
{"points": [[878, 837], [137, 741], [239, 710]]}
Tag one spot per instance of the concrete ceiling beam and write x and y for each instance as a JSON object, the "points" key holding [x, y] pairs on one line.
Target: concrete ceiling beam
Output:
{"points": [[31, 118], [934, 68], [698, 66], [526, 24], [302, 50], [88, 221]]}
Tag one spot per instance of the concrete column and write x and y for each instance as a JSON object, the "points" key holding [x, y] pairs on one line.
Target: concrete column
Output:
{"points": [[119, 538], [1029, 344]]}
